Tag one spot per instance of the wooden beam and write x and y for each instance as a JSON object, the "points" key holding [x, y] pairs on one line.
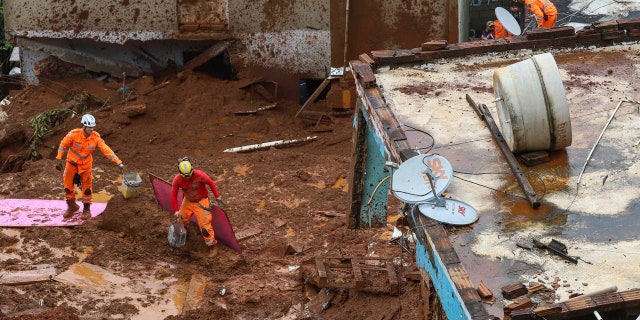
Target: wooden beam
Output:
{"points": [[315, 95], [520, 175]]}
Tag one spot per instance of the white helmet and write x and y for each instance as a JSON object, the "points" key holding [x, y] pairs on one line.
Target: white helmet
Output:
{"points": [[88, 121]]}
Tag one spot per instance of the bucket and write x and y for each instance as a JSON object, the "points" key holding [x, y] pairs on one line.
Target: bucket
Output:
{"points": [[532, 105], [177, 235], [131, 182]]}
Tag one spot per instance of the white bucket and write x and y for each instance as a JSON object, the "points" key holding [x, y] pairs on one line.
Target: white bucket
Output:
{"points": [[532, 105]]}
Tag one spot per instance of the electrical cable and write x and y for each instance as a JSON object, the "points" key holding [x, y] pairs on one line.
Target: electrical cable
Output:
{"points": [[433, 140]]}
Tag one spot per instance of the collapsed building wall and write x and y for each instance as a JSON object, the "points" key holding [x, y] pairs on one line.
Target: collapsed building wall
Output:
{"points": [[282, 40]]}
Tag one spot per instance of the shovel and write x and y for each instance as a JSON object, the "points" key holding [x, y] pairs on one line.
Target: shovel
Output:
{"points": [[246, 112]]}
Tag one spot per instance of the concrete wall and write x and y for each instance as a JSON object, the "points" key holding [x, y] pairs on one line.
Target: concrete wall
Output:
{"points": [[283, 40], [390, 24]]}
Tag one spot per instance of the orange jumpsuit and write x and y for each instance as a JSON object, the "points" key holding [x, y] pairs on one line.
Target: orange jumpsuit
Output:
{"points": [[545, 12], [80, 160], [500, 31], [196, 201]]}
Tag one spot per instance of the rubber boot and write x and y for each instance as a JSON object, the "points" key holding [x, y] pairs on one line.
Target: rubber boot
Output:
{"points": [[72, 207], [86, 212]]}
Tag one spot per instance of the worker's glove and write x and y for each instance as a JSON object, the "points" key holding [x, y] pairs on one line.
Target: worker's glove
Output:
{"points": [[177, 215], [545, 17], [59, 164], [221, 201], [121, 165]]}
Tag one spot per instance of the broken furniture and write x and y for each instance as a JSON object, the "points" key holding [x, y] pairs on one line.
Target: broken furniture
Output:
{"points": [[368, 274]]}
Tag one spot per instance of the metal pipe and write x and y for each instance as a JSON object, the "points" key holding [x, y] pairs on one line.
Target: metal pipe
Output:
{"points": [[595, 313], [600, 137]]}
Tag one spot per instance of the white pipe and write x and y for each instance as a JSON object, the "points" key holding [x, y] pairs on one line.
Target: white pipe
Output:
{"points": [[595, 313], [270, 144]]}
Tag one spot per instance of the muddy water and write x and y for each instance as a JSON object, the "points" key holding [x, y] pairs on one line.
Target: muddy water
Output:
{"points": [[154, 298]]}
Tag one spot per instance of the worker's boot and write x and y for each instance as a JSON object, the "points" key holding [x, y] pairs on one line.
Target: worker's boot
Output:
{"points": [[72, 207], [86, 212]]}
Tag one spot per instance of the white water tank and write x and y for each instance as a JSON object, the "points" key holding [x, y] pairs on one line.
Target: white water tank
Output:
{"points": [[532, 105]]}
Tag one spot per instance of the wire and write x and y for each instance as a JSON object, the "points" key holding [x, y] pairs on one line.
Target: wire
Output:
{"points": [[433, 140], [376, 189]]}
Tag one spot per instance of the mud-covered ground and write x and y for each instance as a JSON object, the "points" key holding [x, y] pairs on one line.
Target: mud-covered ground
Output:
{"points": [[292, 200]]}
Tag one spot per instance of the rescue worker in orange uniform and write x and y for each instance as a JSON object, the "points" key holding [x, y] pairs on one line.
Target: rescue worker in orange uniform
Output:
{"points": [[545, 12], [499, 31], [196, 202], [79, 144]]}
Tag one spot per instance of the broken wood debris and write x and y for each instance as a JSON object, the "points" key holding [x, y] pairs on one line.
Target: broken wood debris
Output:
{"points": [[266, 145], [556, 248], [195, 292], [434, 45], [330, 213], [315, 95], [587, 304], [533, 159], [357, 274], [524, 303], [321, 302], [134, 110], [205, 56], [255, 111], [247, 233], [157, 87], [13, 278]]}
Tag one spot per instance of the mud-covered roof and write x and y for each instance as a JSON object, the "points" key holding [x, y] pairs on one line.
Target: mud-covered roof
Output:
{"points": [[596, 219]]}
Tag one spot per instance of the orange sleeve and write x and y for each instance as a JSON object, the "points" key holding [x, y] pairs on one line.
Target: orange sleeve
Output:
{"points": [[104, 148], [533, 7], [65, 144]]}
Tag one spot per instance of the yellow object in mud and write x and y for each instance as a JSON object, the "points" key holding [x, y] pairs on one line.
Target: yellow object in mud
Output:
{"points": [[131, 182]]}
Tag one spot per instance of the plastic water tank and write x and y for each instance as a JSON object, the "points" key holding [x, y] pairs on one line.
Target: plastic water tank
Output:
{"points": [[532, 105]]}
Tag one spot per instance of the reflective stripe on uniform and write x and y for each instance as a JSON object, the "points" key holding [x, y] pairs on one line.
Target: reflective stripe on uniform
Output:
{"points": [[544, 6], [78, 154]]}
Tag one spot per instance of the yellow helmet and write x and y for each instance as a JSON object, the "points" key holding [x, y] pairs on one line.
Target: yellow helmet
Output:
{"points": [[185, 168]]}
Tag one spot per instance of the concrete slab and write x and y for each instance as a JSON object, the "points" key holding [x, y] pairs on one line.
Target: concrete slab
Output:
{"points": [[597, 219]]}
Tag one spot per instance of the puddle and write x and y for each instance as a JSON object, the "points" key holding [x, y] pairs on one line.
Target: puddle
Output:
{"points": [[107, 286]]}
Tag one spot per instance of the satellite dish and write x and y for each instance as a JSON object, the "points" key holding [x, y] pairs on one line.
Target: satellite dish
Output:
{"points": [[454, 212], [508, 21], [411, 184]]}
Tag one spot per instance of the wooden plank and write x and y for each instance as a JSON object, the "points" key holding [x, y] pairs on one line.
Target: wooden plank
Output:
{"points": [[524, 303], [629, 23], [434, 45], [207, 55], [392, 56], [315, 95], [394, 289], [366, 59], [322, 273], [193, 299], [247, 233], [609, 25], [12, 278], [358, 281]]}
